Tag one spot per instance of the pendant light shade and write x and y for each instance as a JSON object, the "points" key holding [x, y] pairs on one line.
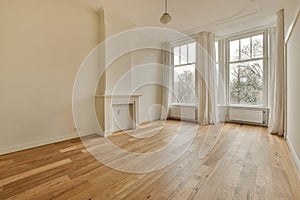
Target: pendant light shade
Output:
{"points": [[166, 17]]}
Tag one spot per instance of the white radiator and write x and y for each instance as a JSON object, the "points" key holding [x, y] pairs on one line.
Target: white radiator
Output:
{"points": [[183, 113], [257, 116]]}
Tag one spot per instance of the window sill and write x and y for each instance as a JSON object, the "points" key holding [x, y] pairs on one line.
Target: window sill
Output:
{"points": [[183, 105], [248, 107]]}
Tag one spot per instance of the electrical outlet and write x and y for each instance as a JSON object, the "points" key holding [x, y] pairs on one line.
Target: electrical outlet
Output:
{"points": [[76, 129]]}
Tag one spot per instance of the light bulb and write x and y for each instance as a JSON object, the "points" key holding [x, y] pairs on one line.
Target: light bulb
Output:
{"points": [[166, 18]]}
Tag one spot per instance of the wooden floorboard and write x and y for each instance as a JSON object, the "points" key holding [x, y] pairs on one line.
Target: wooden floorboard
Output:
{"points": [[245, 163]]}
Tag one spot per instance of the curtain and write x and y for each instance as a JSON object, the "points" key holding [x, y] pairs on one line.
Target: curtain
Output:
{"points": [[206, 79], [276, 118], [167, 82]]}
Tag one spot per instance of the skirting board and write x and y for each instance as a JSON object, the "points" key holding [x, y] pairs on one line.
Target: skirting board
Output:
{"points": [[40, 143], [143, 121], [294, 155]]}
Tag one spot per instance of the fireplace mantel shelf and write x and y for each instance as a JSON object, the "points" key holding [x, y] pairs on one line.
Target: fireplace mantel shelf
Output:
{"points": [[118, 96]]}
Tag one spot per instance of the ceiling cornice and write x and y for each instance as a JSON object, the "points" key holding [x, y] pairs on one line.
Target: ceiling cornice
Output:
{"points": [[251, 8], [113, 7]]}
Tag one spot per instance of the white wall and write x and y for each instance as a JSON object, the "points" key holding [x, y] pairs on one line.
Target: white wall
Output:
{"points": [[115, 23], [42, 46], [147, 80], [119, 76], [138, 72], [293, 81]]}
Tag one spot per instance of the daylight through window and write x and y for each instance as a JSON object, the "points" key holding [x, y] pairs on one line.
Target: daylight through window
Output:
{"points": [[184, 59], [246, 70]]}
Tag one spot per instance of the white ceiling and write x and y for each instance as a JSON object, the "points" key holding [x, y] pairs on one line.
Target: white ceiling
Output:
{"points": [[191, 16]]}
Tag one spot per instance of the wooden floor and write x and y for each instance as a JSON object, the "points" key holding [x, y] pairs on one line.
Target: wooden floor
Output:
{"points": [[245, 163]]}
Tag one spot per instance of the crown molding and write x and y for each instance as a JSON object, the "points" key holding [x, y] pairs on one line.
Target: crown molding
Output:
{"points": [[92, 4], [251, 8], [291, 28]]}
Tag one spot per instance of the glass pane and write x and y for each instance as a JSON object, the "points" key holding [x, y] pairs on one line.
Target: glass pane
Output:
{"points": [[192, 52], [217, 51], [183, 54], [218, 73], [258, 46], [176, 56], [245, 49], [184, 84], [246, 83], [234, 50]]}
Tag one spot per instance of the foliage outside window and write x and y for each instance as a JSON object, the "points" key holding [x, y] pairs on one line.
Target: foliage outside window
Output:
{"points": [[184, 59]]}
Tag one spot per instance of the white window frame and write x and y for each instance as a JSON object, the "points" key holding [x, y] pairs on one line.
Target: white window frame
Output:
{"points": [[265, 58]]}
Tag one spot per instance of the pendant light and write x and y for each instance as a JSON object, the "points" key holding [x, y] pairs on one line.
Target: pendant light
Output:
{"points": [[166, 17]]}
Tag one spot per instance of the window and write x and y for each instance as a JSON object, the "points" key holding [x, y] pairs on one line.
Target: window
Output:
{"points": [[247, 70], [184, 59]]}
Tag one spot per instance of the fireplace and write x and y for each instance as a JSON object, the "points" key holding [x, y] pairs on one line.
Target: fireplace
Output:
{"points": [[117, 112]]}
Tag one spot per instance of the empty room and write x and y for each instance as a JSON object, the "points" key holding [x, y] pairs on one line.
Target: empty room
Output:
{"points": [[139, 99]]}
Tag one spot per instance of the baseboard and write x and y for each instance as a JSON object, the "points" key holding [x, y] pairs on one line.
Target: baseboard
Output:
{"points": [[294, 155], [106, 133], [143, 121], [34, 144], [182, 119], [86, 133], [42, 143]]}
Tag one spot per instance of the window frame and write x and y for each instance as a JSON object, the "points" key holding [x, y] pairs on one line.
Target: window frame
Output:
{"points": [[178, 44], [265, 60]]}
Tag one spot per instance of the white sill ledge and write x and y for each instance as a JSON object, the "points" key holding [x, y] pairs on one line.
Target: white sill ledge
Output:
{"points": [[246, 107], [221, 106], [183, 106]]}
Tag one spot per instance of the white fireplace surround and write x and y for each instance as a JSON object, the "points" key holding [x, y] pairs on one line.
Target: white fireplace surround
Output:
{"points": [[104, 110]]}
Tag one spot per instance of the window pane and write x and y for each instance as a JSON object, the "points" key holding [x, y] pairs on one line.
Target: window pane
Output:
{"points": [[192, 52], [184, 84], [246, 83], [218, 73], [176, 56], [234, 50], [217, 51], [257, 46], [183, 54], [245, 49]]}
